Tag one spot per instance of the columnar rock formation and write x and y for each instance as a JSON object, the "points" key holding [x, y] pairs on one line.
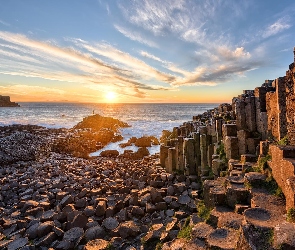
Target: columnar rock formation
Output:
{"points": [[5, 102], [208, 145]]}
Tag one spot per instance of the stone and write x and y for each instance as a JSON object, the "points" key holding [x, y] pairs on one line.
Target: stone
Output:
{"points": [[101, 208], [96, 232], [98, 244], [110, 223], [109, 153], [66, 200], [127, 229], [284, 235], [184, 199], [137, 211], [44, 228], [71, 238], [223, 238], [32, 232], [47, 240], [17, 243], [79, 221], [201, 230]]}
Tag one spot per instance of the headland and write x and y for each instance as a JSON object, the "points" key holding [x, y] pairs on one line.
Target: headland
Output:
{"points": [[5, 102]]}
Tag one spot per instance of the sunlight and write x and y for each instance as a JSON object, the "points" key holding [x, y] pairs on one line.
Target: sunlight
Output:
{"points": [[110, 96]]}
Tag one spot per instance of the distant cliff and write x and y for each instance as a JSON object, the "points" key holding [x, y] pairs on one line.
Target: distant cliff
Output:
{"points": [[5, 102]]}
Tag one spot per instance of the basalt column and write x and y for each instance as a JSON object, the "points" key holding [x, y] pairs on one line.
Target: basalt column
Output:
{"points": [[189, 153], [180, 153]]}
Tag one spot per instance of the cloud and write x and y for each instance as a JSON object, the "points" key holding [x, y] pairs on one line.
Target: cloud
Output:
{"points": [[148, 55], [135, 36], [4, 23], [24, 90], [83, 63], [277, 27], [228, 54]]}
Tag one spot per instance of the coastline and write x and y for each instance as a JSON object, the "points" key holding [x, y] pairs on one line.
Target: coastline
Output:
{"points": [[65, 202]]}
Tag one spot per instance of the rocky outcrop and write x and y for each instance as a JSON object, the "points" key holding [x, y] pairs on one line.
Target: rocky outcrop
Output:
{"points": [[5, 102], [89, 135]]}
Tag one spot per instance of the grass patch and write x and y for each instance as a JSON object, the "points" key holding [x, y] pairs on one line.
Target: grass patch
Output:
{"points": [[291, 214], [203, 211], [159, 246], [284, 141], [220, 151], [186, 230], [262, 164]]}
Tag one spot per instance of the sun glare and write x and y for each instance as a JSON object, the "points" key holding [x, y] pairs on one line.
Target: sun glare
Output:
{"points": [[110, 96]]}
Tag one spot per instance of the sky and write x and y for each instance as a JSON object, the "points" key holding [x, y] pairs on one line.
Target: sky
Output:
{"points": [[142, 51]]}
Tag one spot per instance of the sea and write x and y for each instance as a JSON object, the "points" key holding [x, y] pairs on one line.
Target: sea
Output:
{"points": [[146, 119]]}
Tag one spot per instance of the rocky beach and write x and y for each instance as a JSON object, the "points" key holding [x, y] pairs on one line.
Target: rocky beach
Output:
{"points": [[52, 199]]}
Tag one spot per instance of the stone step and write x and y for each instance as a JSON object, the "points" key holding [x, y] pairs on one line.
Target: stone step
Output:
{"points": [[248, 158], [236, 173], [240, 208]]}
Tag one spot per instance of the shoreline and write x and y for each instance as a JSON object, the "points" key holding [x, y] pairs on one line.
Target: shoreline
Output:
{"points": [[64, 202]]}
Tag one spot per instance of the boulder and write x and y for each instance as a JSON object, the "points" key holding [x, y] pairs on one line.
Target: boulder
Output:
{"points": [[96, 232], [97, 244], [109, 153]]}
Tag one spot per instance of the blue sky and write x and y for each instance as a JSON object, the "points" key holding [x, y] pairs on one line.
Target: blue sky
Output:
{"points": [[142, 51]]}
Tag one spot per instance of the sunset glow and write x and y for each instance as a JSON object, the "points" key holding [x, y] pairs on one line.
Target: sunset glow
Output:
{"points": [[111, 96], [148, 51]]}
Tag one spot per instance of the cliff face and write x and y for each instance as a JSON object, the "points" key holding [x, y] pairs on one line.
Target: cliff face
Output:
{"points": [[5, 102], [243, 130]]}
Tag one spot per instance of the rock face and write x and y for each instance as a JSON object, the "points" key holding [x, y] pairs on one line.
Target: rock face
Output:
{"points": [[5, 102]]}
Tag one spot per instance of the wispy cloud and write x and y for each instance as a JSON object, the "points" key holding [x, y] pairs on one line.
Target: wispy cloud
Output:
{"points": [[85, 63], [277, 27], [23, 90], [4, 23], [135, 36], [148, 55]]}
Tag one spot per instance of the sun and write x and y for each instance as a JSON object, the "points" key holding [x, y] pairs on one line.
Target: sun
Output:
{"points": [[111, 96]]}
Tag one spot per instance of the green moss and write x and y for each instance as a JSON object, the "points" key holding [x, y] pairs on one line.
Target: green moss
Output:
{"points": [[220, 151], [110, 247], [159, 246], [284, 141], [291, 214], [186, 230], [262, 164], [203, 211]]}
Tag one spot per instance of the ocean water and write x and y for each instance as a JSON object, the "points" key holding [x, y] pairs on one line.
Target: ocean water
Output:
{"points": [[145, 119]]}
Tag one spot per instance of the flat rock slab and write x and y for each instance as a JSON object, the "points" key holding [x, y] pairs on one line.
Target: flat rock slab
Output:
{"points": [[201, 230], [257, 216], [222, 238], [284, 235], [184, 244], [18, 243]]}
